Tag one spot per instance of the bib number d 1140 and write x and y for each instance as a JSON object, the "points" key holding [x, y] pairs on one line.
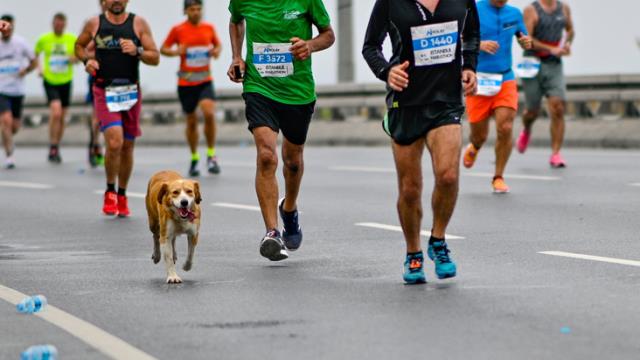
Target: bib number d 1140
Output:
{"points": [[435, 44], [273, 60], [121, 98], [489, 84], [528, 68]]}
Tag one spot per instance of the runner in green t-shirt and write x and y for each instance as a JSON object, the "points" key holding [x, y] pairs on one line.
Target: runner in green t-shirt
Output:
{"points": [[279, 93], [57, 48]]}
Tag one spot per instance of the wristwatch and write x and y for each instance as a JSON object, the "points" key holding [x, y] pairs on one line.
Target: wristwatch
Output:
{"points": [[140, 51]]}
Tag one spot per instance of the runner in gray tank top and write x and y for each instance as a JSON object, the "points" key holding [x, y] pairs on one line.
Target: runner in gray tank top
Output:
{"points": [[551, 27]]}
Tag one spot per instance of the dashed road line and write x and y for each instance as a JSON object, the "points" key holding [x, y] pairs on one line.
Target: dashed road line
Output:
{"points": [[90, 334], [236, 206], [592, 258], [129, 194], [464, 173], [26, 185], [399, 229]]}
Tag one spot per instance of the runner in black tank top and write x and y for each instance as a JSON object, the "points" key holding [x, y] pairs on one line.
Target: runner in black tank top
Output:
{"points": [[121, 40], [114, 64]]}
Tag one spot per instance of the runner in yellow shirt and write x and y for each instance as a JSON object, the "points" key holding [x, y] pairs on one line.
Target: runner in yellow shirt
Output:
{"points": [[57, 48]]}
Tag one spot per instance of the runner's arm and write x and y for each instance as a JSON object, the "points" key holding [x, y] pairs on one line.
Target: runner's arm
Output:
{"points": [[236, 33], [302, 49], [85, 39], [471, 37], [167, 46], [571, 33], [376, 33], [150, 54]]}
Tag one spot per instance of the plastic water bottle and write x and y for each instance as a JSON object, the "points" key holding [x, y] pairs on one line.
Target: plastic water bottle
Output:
{"points": [[32, 304], [40, 352]]}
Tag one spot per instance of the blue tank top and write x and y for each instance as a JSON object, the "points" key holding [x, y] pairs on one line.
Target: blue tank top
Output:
{"points": [[501, 25]]}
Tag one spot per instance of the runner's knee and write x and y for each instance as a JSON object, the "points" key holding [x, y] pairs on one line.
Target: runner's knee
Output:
{"points": [[556, 107], [447, 178], [267, 159], [504, 129]]}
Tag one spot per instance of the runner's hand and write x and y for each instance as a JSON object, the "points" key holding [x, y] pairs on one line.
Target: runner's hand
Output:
{"points": [[525, 42], [231, 72], [300, 49], [182, 50], [23, 72], [215, 52], [557, 52], [92, 67], [567, 49], [489, 46], [128, 47], [469, 82], [398, 78]]}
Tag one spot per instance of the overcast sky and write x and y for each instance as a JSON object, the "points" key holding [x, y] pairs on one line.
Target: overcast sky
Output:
{"points": [[605, 42]]}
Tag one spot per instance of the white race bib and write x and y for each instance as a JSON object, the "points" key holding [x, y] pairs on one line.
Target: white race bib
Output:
{"points": [[59, 64], [9, 67], [197, 56], [273, 60], [528, 68], [435, 44], [489, 84], [121, 98]]}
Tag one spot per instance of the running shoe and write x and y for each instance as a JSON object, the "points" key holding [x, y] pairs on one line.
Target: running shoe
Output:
{"points": [[413, 269], [470, 155], [123, 206], [272, 247], [54, 156], [193, 169], [556, 161], [523, 141], [9, 163], [291, 232], [499, 186], [212, 165], [95, 156], [439, 253], [110, 206]]}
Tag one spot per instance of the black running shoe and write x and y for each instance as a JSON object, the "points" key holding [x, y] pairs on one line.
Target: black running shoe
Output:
{"points": [[272, 247], [193, 169], [54, 156], [212, 165]]}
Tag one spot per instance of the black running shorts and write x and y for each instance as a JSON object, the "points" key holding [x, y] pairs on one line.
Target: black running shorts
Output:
{"points": [[13, 104], [405, 125], [293, 120], [190, 96], [58, 92]]}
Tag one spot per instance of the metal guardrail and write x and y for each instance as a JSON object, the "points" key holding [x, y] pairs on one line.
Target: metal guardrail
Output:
{"points": [[607, 96]]}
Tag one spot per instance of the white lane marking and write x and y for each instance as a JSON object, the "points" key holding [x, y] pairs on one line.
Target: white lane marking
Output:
{"points": [[634, 184], [399, 229], [129, 194], [592, 258], [513, 176], [236, 206], [26, 185], [93, 336], [238, 164], [474, 174]]}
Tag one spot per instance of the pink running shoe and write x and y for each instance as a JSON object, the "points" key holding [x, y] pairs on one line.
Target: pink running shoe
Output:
{"points": [[523, 141], [557, 161]]}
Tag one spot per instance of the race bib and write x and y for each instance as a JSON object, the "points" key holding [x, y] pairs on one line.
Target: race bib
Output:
{"points": [[273, 60], [489, 84], [197, 56], [59, 64], [121, 98], [528, 68], [435, 44], [9, 67]]}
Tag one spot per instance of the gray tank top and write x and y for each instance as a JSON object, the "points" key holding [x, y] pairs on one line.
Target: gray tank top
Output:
{"points": [[550, 27]]}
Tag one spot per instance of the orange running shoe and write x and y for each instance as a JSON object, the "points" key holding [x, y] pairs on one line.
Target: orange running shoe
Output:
{"points": [[499, 186], [123, 206], [110, 206], [470, 154]]}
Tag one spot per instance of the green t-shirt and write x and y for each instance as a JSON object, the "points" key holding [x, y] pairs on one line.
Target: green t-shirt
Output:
{"points": [[271, 71], [57, 66]]}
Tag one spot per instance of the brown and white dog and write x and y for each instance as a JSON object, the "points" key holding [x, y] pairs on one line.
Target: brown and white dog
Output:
{"points": [[173, 209]]}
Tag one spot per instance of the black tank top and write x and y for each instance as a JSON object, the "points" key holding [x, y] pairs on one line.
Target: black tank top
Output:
{"points": [[115, 66]]}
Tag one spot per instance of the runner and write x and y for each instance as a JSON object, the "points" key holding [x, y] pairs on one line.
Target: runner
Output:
{"points": [[497, 88], [95, 149], [16, 61], [546, 20], [428, 72], [196, 43], [279, 92], [121, 40], [57, 47]]}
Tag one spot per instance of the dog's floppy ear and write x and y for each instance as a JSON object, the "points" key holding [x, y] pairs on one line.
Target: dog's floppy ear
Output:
{"points": [[163, 191], [196, 189]]}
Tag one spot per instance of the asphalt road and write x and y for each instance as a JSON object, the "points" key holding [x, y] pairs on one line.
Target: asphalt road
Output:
{"points": [[341, 295]]}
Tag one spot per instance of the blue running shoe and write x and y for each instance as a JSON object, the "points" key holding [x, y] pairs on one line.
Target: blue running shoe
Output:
{"points": [[439, 253], [413, 269], [292, 233], [272, 247]]}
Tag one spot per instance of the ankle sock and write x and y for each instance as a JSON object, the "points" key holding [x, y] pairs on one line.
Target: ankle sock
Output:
{"points": [[111, 187], [122, 192]]}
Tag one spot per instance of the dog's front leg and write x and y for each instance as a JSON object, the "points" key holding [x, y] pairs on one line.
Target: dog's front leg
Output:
{"points": [[166, 243], [193, 241]]}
